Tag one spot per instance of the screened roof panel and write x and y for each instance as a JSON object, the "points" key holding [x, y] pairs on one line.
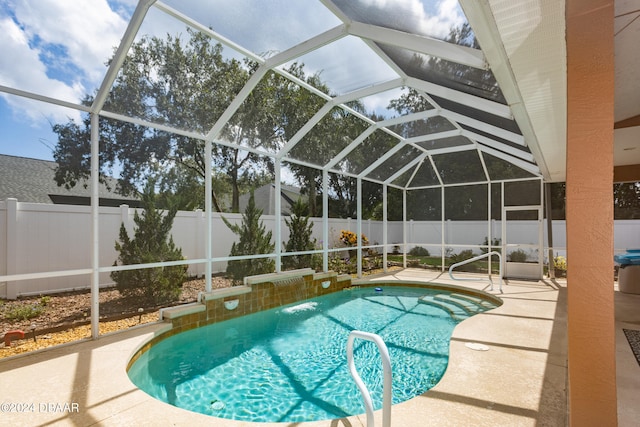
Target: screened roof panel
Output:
{"points": [[426, 18], [453, 141], [254, 125], [368, 151], [173, 89], [424, 176], [445, 73], [334, 132], [499, 169], [382, 104], [478, 114], [346, 83], [346, 65], [396, 161], [265, 27], [459, 167], [403, 179], [422, 127], [495, 138]]}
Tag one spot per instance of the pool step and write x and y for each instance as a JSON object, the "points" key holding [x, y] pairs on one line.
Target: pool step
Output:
{"points": [[455, 309], [452, 301], [474, 302], [459, 306]]}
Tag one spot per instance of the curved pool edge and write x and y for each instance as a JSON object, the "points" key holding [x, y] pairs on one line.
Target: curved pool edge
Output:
{"points": [[432, 285], [355, 420], [168, 330]]}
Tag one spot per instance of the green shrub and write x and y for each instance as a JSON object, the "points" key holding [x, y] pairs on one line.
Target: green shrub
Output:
{"points": [[300, 238], [24, 312], [462, 256], [419, 251], [254, 240], [518, 256], [343, 266], [151, 243]]}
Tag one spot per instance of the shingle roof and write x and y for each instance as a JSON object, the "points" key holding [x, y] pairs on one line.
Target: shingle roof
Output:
{"points": [[32, 180]]}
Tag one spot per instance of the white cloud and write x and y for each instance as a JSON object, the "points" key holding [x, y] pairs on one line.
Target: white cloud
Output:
{"points": [[56, 48], [436, 21], [21, 68], [88, 30]]}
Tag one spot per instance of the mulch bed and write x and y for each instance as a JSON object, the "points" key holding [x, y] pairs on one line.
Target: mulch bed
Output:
{"points": [[65, 317]]}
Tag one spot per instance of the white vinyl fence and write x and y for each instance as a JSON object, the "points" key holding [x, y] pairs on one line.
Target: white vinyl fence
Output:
{"points": [[38, 238]]}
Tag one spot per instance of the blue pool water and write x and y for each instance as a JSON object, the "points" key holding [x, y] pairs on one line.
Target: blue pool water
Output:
{"points": [[289, 364]]}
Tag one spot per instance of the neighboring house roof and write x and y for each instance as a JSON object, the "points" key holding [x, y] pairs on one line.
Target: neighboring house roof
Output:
{"points": [[32, 180], [265, 199]]}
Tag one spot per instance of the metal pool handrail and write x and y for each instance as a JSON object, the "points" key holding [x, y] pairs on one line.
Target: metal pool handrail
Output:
{"points": [[386, 368], [476, 258]]}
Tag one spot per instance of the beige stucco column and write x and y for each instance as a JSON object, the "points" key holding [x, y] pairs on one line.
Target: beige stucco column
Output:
{"points": [[590, 92]]}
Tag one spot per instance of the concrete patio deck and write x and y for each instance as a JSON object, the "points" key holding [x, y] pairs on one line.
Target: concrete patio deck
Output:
{"points": [[520, 381]]}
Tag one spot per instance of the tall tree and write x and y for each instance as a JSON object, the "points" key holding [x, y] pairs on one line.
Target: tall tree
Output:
{"points": [[186, 84], [298, 106]]}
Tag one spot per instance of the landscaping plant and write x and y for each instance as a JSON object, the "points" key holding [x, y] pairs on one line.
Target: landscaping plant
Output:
{"points": [[300, 238], [419, 251], [254, 240], [151, 243]]}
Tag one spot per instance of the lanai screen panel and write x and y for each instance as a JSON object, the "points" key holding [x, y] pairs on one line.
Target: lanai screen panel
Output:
{"points": [[499, 169], [364, 154], [345, 65], [486, 137], [424, 176], [371, 61], [429, 18], [161, 83], [395, 162], [453, 141], [505, 123], [422, 127], [446, 73], [272, 114], [460, 167], [329, 137], [388, 105], [265, 27]]}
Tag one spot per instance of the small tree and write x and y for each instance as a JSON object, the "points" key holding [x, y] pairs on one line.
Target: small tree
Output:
{"points": [[300, 237], [419, 251], [151, 243], [254, 239]]}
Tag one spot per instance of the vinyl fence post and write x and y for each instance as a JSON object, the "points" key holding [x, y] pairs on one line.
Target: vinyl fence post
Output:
{"points": [[12, 246]]}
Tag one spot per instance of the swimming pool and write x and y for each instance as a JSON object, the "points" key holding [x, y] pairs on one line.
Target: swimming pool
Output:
{"points": [[289, 364]]}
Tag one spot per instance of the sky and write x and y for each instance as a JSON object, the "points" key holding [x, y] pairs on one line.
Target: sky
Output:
{"points": [[59, 48]]}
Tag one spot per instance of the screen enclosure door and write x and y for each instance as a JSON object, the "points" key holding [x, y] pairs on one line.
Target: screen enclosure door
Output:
{"points": [[522, 234]]}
